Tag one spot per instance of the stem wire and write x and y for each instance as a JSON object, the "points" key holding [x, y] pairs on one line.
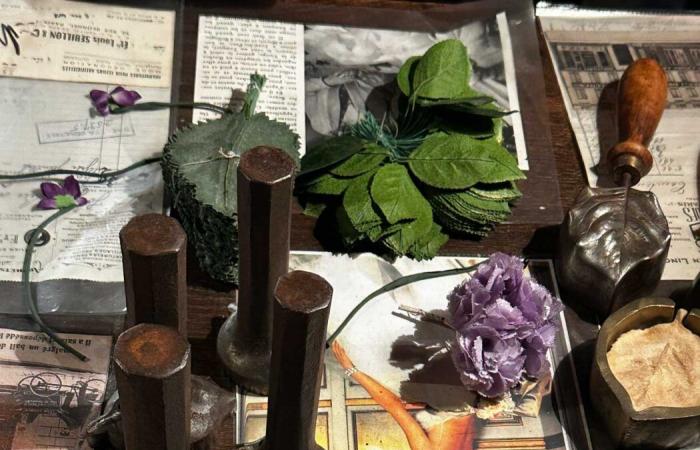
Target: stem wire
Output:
{"points": [[397, 283], [27, 291], [101, 177]]}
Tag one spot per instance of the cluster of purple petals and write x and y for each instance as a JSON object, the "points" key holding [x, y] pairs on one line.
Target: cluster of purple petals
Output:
{"points": [[104, 101], [505, 324]]}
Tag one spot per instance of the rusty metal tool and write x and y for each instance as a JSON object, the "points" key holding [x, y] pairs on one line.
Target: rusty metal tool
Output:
{"points": [[152, 368], [265, 183], [154, 255], [301, 310], [613, 242]]}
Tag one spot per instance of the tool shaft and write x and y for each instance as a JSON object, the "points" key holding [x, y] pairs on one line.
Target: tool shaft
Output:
{"points": [[265, 177], [302, 306], [265, 181], [154, 258]]}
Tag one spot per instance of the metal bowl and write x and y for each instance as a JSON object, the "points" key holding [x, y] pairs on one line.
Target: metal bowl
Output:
{"points": [[658, 427]]}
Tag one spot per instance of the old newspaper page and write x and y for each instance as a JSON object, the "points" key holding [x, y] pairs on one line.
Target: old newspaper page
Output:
{"points": [[48, 125], [590, 51], [47, 396], [230, 49], [71, 41], [324, 78]]}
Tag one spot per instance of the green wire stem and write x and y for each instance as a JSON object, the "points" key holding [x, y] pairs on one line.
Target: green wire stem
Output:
{"points": [[27, 291], [101, 176], [154, 106], [397, 283]]}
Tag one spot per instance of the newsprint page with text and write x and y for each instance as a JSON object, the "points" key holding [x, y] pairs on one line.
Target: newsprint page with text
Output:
{"points": [[590, 50]]}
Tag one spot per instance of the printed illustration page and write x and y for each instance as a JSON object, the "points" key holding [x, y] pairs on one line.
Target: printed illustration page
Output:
{"points": [[410, 358], [49, 125], [230, 49], [590, 51], [47, 396], [71, 41]]}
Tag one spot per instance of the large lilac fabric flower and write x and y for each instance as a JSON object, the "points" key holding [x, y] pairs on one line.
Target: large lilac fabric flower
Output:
{"points": [[505, 323], [105, 102], [59, 197]]}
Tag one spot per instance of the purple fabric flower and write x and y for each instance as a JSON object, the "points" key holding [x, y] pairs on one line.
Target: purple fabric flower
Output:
{"points": [[505, 324], [105, 103], [59, 197]]}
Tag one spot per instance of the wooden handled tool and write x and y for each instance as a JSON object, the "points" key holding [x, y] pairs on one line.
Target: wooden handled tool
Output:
{"points": [[302, 307], [154, 254], [641, 101], [152, 368], [265, 183], [613, 243]]}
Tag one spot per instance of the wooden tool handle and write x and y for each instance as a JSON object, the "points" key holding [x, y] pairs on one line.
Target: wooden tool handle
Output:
{"points": [[641, 101]]}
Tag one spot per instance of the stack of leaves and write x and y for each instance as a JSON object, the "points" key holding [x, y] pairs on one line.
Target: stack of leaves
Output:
{"points": [[199, 168], [439, 167]]}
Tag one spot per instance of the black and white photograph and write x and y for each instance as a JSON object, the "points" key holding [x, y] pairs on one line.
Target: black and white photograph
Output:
{"points": [[350, 71]]}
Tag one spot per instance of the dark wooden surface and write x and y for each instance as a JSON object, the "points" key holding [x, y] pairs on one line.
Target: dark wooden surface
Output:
{"points": [[207, 301]]}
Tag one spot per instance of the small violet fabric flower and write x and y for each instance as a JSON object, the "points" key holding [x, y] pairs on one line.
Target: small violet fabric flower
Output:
{"points": [[105, 102], [505, 323], [59, 197]]}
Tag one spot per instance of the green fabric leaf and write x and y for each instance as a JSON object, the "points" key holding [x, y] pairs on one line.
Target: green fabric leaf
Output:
{"points": [[507, 191], [479, 110], [398, 198], [358, 204], [478, 127], [369, 158], [327, 185], [476, 106], [428, 245], [407, 235], [442, 72], [461, 225], [473, 98], [405, 75], [459, 161], [461, 205], [314, 207], [349, 235], [395, 194], [206, 155], [330, 152], [199, 168]]}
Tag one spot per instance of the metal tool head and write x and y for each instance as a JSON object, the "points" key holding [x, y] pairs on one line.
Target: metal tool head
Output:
{"points": [[613, 243], [612, 248]]}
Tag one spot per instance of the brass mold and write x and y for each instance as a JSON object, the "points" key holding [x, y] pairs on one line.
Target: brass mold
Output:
{"points": [[651, 428]]}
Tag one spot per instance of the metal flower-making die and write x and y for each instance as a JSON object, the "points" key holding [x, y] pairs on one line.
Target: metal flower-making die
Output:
{"points": [[657, 427]]}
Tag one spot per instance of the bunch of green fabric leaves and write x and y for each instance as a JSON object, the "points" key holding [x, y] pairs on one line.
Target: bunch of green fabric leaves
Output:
{"points": [[199, 169], [439, 167]]}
